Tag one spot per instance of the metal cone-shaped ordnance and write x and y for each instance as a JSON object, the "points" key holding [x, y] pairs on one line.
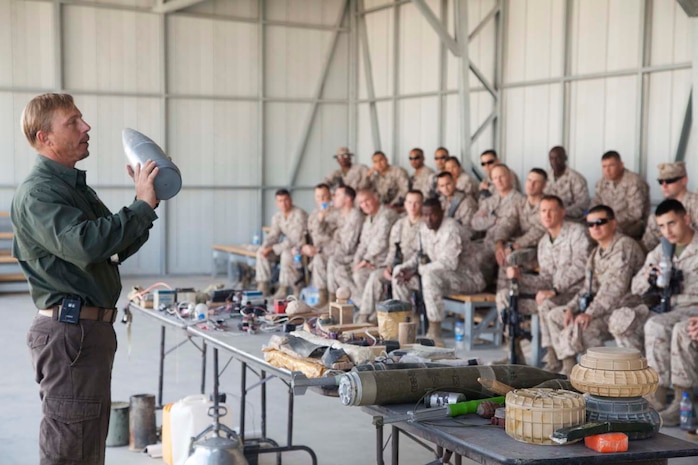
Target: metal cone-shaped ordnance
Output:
{"points": [[140, 148]]}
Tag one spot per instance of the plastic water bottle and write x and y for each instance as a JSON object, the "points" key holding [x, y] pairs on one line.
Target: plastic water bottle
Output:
{"points": [[686, 412], [256, 240], [298, 260], [459, 331]]}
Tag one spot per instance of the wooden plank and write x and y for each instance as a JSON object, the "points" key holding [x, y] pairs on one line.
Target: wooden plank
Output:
{"points": [[12, 277], [5, 259], [484, 297], [235, 249], [4, 214], [6, 235]]}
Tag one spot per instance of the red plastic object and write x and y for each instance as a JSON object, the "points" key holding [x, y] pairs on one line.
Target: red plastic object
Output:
{"points": [[280, 306], [607, 442]]}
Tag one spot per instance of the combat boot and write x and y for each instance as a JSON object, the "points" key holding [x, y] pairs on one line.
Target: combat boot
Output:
{"points": [[264, 287], [434, 333], [520, 357], [657, 399], [281, 293], [671, 416], [552, 364], [567, 364]]}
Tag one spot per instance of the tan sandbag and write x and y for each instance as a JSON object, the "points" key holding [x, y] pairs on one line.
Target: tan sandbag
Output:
{"points": [[390, 314], [282, 360]]}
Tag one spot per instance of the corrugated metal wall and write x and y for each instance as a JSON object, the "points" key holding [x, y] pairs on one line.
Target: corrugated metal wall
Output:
{"points": [[251, 95]]}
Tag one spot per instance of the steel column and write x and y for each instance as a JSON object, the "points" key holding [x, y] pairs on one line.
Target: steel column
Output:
{"points": [[395, 143], [368, 75], [461, 27], [261, 120], [438, 27], [308, 124]]}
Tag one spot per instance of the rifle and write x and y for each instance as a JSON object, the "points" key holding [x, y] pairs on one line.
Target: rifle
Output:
{"points": [[511, 317], [304, 273], [419, 305], [387, 285]]}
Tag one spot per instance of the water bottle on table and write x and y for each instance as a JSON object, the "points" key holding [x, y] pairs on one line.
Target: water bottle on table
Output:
{"points": [[459, 334], [686, 412]]}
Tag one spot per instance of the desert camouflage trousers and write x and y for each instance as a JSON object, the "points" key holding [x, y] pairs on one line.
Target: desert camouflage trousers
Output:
{"points": [[624, 325], [670, 351], [372, 292], [318, 267], [288, 274], [340, 274], [435, 285]]}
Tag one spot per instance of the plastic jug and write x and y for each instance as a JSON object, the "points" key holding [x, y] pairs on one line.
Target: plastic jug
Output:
{"points": [[187, 418]]}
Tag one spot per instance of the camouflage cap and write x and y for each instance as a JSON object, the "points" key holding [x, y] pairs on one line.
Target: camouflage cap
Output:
{"points": [[672, 170], [343, 152]]}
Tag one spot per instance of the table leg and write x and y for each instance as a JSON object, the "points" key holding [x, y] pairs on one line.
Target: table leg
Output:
{"points": [[379, 443], [263, 393], [243, 399], [161, 373], [203, 368], [395, 445]]}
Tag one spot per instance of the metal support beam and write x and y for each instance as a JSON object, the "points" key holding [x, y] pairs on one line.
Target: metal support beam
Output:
{"points": [[438, 27], [566, 71], [261, 119], [497, 8], [685, 130], [58, 45], [645, 37], [694, 57], [174, 5], [461, 28], [368, 73], [395, 143], [500, 24], [353, 84], [310, 117], [165, 231], [443, 78]]}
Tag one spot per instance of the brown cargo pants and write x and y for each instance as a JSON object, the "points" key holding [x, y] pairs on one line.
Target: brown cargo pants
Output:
{"points": [[72, 364]]}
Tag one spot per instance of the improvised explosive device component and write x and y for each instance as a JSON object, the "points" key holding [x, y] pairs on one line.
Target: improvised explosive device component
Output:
{"points": [[443, 398], [575, 433], [300, 383], [408, 386], [140, 148], [439, 413]]}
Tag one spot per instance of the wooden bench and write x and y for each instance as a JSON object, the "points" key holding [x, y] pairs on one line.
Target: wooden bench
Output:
{"points": [[232, 255], [482, 324]]}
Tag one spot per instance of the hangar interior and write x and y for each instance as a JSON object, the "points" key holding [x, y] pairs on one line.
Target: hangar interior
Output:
{"points": [[248, 96]]}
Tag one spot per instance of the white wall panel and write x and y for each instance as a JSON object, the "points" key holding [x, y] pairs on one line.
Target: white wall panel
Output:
{"points": [[671, 33], [111, 50], [238, 8], [533, 122], [127, 3], [210, 142], [27, 44], [605, 35], [328, 133], [324, 12], [200, 218], [602, 119], [19, 155], [417, 128], [452, 125], [419, 51], [294, 60], [380, 43], [337, 82], [282, 134], [210, 57], [668, 97], [534, 40], [365, 148]]}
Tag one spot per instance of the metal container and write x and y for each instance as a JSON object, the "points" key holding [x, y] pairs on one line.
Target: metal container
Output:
{"points": [[142, 422], [118, 425], [217, 451]]}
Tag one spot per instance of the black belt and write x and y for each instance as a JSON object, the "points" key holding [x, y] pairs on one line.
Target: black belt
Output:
{"points": [[86, 313]]}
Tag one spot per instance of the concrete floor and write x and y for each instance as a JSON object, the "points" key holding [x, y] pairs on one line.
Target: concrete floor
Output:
{"points": [[339, 435]]}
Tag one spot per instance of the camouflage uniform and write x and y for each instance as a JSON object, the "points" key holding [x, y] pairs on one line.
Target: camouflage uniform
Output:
{"points": [[461, 207], [629, 199], [562, 263], [613, 270], [572, 189], [516, 185], [652, 235], [467, 184], [342, 248], [321, 231], [356, 177], [373, 248], [451, 268], [292, 227], [421, 180], [405, 233], [492, 212], [666, 343], [392, 186]]}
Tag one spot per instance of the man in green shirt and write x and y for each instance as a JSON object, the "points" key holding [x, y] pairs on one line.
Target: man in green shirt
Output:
{"points": [[69, 246]]}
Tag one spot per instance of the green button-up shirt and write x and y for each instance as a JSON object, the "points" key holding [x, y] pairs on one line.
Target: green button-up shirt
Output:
{"points": [[64, 236]]}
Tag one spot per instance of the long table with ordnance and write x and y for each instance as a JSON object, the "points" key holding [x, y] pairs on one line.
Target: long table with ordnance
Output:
{"points": [[229, 342], [475, 439]]}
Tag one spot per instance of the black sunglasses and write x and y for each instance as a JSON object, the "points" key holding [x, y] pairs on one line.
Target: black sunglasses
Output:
{"points": [[439, 158], [488, 162], [418, 157], [668, 181], [599, 222]]}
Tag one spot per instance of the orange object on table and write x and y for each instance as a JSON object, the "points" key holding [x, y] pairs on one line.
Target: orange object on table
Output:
{"points": [[607, 442]]}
